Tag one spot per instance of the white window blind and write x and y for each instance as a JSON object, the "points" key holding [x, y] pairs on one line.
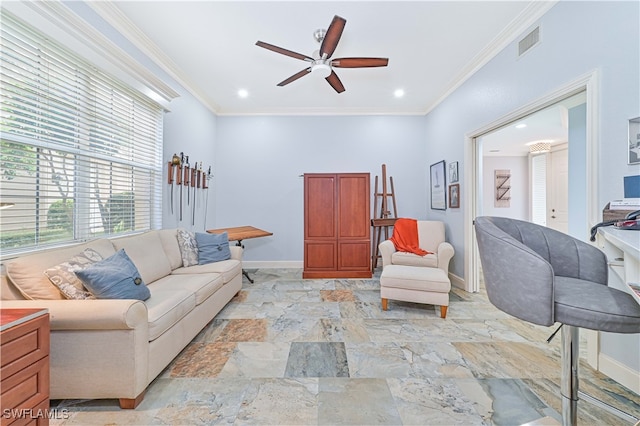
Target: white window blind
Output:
{"points": [[80, 154]]}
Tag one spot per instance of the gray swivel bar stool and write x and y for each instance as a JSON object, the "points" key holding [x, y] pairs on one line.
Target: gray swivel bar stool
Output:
{"points": [[543, 276]]}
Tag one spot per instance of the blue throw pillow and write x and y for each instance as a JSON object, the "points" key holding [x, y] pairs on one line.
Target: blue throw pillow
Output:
{"points": [[115, 277], [212, 247]]}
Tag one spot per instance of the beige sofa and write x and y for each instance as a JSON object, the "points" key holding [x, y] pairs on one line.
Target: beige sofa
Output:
{"points": [[115, 348]]}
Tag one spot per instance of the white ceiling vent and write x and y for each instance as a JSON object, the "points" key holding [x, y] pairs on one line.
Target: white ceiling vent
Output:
{"points": [[529, 41]]}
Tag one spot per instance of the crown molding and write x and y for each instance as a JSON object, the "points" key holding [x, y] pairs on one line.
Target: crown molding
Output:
{"points": [[65, 19], [118, 20], [532, 13]]}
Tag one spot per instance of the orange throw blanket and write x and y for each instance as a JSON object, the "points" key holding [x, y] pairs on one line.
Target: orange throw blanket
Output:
{"points": [[405, 236]]}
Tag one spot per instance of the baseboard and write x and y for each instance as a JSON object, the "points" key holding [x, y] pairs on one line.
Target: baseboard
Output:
{"points": [[272, 264], [619, 372], [457, 281]]}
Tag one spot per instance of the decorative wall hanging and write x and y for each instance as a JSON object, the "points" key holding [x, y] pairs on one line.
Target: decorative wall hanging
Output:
{"points": [[438, 186], [502, 185], [189, 180], [453, 172], [634, 141], [454, 196]]}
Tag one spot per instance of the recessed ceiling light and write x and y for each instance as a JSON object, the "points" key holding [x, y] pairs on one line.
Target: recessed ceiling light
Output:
{"points": [[243, 93], [521, 126], [398, 93]]}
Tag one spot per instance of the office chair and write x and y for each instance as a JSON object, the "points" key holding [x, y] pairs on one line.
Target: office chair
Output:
{"points": [[543, 276]]}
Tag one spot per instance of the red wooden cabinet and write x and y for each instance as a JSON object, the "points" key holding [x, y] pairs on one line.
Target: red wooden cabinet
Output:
{"points": [[24, 366], [337, 241]]}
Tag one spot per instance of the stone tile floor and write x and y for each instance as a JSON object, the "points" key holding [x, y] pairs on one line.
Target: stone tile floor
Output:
{"points": [[288, 351]]}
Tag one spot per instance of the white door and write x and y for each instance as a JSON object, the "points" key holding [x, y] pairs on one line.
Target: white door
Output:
{"points": [[558, 189]]}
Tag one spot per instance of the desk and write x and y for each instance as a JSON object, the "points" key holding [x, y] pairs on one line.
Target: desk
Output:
{"points": [[239, 233], [618, 355]]}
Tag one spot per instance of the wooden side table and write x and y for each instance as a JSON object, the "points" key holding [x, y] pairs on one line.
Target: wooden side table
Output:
{"points": [[239, 233], [24, 366]]}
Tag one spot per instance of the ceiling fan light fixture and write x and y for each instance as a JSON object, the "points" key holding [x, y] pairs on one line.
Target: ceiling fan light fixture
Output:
{"points": [[321, 68]]}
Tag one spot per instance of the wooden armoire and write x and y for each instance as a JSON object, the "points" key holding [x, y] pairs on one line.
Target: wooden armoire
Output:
{"points": [[337, 228]]}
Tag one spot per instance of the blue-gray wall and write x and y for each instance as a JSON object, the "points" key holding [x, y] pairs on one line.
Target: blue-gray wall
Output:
{"points": [[577, 38], [261, 159], [578, 223]]}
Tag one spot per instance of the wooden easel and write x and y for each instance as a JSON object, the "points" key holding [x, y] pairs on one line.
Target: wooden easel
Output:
{"points": [[385, 220]]}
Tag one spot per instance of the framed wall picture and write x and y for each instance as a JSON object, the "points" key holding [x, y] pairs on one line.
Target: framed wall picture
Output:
{"points": [[634, 141], [453, 172], [502, 188], [438, 186], [454, 196]]}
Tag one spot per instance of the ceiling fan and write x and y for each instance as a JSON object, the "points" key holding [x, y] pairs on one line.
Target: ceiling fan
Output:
{"points": [[321, 61]]}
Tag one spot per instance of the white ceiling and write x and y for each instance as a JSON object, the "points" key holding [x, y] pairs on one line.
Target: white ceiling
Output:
{"points": [[209, 47]]}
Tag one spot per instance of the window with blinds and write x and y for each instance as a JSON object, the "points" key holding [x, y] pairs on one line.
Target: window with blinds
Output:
{"points": [[80, 153]]}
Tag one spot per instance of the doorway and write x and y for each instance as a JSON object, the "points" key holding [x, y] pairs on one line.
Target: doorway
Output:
{"points": [[583, 92]]}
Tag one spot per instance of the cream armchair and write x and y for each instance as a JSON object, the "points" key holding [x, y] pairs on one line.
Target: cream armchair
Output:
{"points": [[430, 238], [424, 279]]}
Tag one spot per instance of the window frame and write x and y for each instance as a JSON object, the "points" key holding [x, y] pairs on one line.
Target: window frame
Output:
{"points": [[97, 133]]}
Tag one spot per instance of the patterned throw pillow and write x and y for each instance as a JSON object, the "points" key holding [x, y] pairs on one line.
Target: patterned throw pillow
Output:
{"points": [[188, 247], [64, 276]]}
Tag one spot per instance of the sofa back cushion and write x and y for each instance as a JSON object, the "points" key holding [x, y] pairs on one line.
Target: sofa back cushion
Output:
{"points": [[169, 238], [430, 234], [27, 272], [146, 252]]}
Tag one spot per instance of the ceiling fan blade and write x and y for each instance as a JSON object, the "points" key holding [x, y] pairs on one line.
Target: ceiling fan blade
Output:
{"points": [[284, 51], [295, 77], [332, 37], [359, 62], [335, 82]]}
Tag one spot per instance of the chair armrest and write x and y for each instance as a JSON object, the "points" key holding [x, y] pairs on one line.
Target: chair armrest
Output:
{"points": [[445, 253], [386, 250], [99, 314], [236, 252]]}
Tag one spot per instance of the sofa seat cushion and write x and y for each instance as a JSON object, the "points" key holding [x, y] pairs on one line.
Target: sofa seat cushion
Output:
{"points": [[228, 268], [410, 259], [201, 285], [166, 307]]}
